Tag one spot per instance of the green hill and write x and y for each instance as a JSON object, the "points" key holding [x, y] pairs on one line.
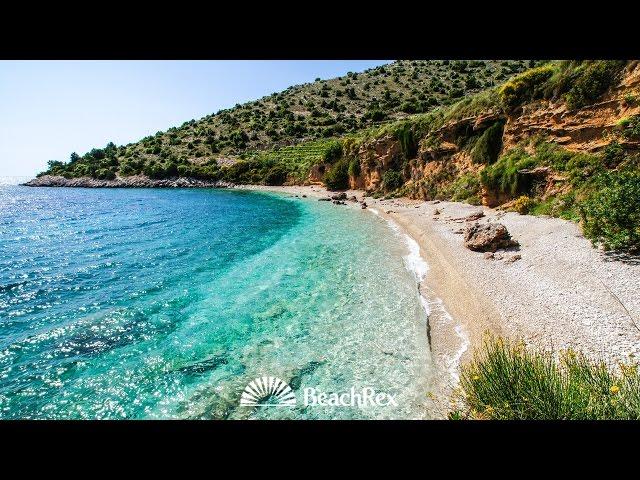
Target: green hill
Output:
{"points": [[311, 112]]}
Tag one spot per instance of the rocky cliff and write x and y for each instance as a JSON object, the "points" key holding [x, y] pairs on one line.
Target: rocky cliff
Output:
{"points": [[446, 155]]}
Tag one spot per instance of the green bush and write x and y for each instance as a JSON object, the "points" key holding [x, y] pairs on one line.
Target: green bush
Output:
{"points": [[506, 381], [354, 167], [525, 87], [405, 134], [630, 127], [337, 177], [105, 174], [333, 151], [276, 175], [465, 188], [593, 79], [488, 145], [392, 180], [611, 215], [503, 175]]}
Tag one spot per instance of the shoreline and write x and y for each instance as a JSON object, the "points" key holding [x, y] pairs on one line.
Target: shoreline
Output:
{"points": [[562, 293], [134, 181]]}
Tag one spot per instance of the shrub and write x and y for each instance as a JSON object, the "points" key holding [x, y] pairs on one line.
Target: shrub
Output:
{"points": [[408, 143], [375, 115], [523, 204], [611, 215], [276, 175], [593, 79], [506, 381], [503, 175], [337, 177], [333, 151], [488, 145], [105, 174], [613, 155], [630, 127], [525, 87], [392, 180], [465, 188], [354, 167]]}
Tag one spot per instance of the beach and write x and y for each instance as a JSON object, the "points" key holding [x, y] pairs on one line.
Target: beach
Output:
{"points": [[561, 293]]}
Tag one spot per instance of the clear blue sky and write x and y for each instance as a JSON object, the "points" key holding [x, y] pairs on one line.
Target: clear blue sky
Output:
{"points": [[49, 109]]}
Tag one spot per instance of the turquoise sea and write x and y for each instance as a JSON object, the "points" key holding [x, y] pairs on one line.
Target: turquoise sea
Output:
{"points": [[166, 303]]}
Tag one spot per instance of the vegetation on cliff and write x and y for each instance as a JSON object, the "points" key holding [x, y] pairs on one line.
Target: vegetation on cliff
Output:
{"points": [[507, 381]]}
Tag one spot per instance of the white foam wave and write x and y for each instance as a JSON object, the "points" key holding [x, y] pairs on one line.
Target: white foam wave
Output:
{"points": [[416, 264]]}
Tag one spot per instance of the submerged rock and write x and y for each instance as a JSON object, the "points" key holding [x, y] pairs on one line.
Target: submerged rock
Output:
{"points": [[487, 237]]}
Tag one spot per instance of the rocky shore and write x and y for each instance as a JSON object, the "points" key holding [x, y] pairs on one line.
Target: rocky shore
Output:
{"points": [[136, 181]]}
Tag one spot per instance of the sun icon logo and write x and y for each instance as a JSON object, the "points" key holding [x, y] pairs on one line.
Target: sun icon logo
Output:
{"points": [[267, 392]]}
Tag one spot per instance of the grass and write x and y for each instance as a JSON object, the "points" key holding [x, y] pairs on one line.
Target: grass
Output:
{"points": [[507, 381]]}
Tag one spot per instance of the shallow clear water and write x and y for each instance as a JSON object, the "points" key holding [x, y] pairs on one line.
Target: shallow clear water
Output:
{"points": [[154, 303]]}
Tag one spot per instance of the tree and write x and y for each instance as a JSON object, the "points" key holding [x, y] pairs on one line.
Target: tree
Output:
{"points": [[74, 157], [54, 164]]}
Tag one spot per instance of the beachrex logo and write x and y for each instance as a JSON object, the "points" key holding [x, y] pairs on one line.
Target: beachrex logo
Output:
{"points": [[267, 392], [274, 392]]}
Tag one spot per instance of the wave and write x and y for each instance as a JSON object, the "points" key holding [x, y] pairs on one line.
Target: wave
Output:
{"points": [[418, 266]]}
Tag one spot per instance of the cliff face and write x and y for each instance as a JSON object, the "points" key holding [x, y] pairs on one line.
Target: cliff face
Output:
{"points": [[585, 129], [443, 156]]}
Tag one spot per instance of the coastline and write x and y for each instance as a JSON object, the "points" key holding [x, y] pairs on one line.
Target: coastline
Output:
{"points": [[562, 293], [134, 181]]}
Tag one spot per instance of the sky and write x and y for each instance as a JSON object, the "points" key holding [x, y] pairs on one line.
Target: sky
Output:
{"points": [[49, 109]]}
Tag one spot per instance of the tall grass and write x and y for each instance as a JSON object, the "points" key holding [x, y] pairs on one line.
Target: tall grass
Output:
{"points": [[506, 381]]}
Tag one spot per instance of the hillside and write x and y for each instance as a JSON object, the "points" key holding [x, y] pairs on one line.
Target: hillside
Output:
{"points": [[560, 139], [302, 113]]}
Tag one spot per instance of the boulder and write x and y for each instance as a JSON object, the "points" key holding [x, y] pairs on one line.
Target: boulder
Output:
{"points": [[474, 216], [339, 196], [487, 237]]}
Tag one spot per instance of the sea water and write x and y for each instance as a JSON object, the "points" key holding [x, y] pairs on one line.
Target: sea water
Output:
{"points": [[166, 303]]}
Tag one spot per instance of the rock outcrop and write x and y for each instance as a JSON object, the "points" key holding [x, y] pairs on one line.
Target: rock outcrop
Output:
{"points": [[376, 157]]}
